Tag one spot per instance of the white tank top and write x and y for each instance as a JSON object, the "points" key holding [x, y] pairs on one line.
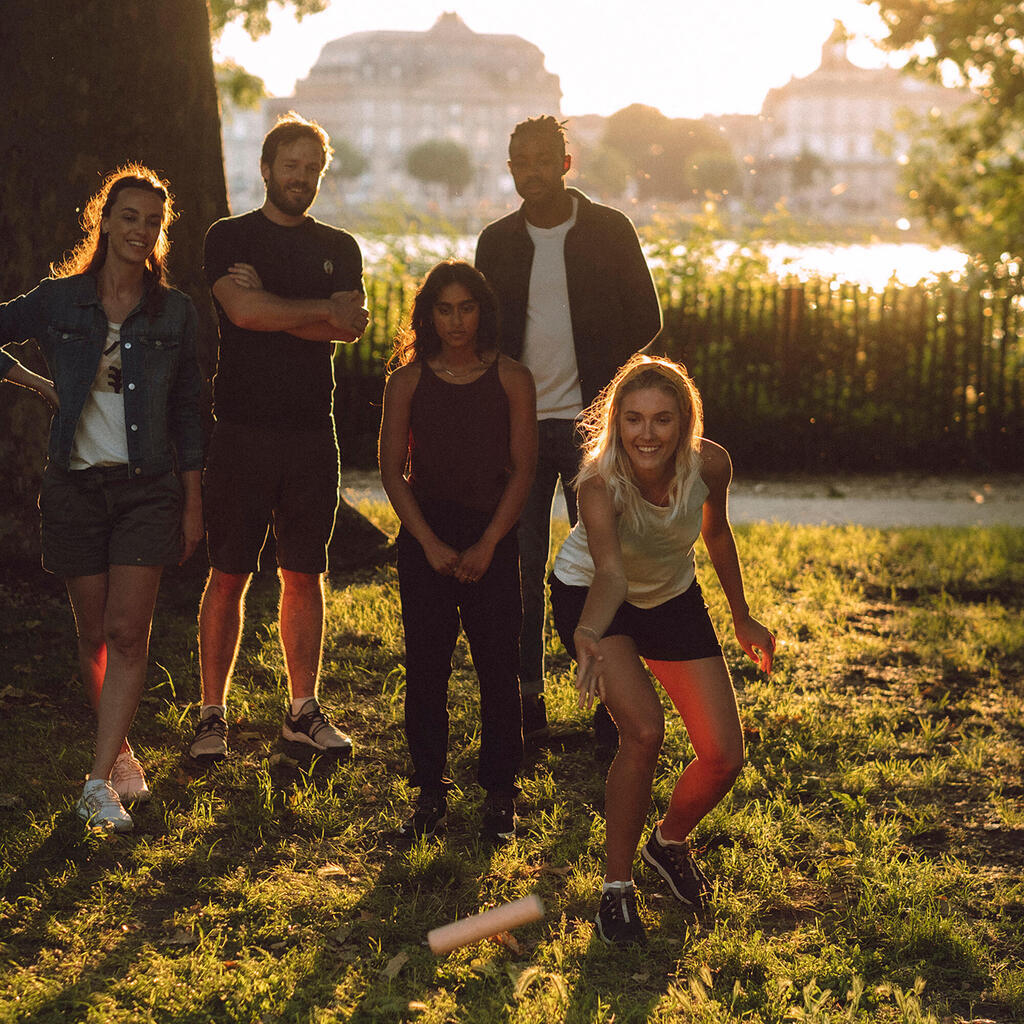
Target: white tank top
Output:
{"points": [[658, 558]]}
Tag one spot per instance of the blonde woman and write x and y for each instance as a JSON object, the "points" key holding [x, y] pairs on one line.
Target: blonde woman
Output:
{"points": [[624, 594]]}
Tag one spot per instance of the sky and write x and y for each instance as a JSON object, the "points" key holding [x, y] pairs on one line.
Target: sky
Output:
{"points": [[685, 57]]}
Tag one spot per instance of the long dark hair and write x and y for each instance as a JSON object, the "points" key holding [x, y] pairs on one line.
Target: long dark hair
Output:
{"points": [[418, 337], [91, 252]]}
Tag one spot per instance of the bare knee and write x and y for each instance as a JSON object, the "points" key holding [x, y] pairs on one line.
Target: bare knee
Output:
{"points": [[226, 586], [724, 765], [302, 585], [129, 639], [643, 734], [91, 642]]}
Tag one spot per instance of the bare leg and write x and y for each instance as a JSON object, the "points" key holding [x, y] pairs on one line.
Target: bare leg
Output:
{"points": [[125, 607], [88, 596], [220, 630], [302, 629], [634, 705], [702, 693]]}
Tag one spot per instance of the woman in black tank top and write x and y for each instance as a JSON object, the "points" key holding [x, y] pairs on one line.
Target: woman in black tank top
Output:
{"points": [[458, 444]]}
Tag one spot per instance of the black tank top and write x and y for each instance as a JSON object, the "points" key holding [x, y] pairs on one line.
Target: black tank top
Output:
{"points": [[459, 440]]}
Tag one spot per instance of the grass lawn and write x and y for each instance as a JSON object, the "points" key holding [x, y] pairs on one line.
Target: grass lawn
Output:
{"points": [[867, 864]]}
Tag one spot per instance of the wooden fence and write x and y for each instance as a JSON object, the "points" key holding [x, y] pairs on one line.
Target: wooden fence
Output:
{"points": [[806, 376]]}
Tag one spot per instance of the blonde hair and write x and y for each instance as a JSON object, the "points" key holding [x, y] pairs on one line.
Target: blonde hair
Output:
{"points": [[603, 455]]}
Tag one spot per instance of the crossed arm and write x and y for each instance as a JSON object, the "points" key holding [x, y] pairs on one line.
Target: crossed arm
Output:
{"points": [[341, 317]]}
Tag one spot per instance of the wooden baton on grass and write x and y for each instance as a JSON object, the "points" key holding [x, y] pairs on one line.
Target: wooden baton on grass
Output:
{"points": [[482, 926]]}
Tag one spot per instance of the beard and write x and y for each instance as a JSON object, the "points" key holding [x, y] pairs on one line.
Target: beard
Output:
{"points": [[290, 203]]}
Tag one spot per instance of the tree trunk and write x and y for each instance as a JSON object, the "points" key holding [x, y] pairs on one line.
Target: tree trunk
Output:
{"points": [[88, 85]]}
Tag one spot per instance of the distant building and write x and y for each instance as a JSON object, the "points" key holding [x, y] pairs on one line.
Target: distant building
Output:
{"points": [[823, 137], [384, 92]]}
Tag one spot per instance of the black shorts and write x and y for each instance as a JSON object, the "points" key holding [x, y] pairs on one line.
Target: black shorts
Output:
{"points": [[680, 629], [254, 477], [94, 518]]}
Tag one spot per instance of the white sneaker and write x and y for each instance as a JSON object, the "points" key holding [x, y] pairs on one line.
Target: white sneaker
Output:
{"points": [[313, 728], [100, 807], [128, 779]]}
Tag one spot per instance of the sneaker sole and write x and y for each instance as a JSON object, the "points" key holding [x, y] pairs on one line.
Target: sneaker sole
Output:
{"points": [[206, 760], [649, 860], [137, 798], [299, 741], [410, 838], [119, 827], [636, 940]]}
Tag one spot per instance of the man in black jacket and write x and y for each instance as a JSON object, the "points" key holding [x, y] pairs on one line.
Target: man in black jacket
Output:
{"points": [[577, 300]]}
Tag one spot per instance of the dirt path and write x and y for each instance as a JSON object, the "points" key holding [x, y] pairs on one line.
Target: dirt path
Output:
{"points": [[869, 501]]}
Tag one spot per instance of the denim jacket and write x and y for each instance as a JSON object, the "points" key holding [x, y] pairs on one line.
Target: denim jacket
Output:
{"points": [[159, 366]]}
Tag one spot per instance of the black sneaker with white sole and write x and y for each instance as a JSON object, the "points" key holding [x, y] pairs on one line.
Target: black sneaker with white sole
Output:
{"points": [[618, 922], [314, 729], [499, 821], [675, 863], [427, 821]]}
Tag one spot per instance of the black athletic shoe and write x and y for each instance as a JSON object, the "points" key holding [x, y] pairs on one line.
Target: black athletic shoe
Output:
{"points": [[535, 716], [605, 730], [427, 820], [676, 865], [617, 921], [313, 728], [499, 821]]}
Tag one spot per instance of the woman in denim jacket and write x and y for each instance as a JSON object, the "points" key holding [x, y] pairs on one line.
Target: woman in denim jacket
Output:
{"points": [[120, 496]]}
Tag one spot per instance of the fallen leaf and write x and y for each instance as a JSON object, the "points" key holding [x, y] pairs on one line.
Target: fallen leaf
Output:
{"points": [[248, 736], [395, 964], [279, 759], [181, 938], [509, 941], [8, 801], [550, 869], [331, 870], [11, 693]]}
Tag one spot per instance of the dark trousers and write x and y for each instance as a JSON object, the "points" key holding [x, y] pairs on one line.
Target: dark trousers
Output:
{"points": [[558, 459], [490, 612]]}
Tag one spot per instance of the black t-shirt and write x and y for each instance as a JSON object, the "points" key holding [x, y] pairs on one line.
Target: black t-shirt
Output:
{"points": [[272, 378]]}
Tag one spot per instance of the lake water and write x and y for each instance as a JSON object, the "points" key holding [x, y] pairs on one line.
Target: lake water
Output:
{"points": [[873, 265]]}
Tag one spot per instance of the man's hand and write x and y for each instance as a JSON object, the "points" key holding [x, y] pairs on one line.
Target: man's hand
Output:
{"points": [[245, 276], [348, 312]]}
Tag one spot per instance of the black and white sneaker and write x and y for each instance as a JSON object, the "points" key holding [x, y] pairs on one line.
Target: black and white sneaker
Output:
{"points": [[675, 863], [210, 742], [617, 921], [499, 821], [427, 821], [314, 729]]}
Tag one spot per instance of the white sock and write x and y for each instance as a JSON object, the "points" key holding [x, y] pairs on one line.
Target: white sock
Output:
{"points": [[620, 886], [298, 703], [208, 709], [668, 842]]}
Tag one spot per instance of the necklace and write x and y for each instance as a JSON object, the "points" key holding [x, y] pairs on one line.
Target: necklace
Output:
{"points": [[460, 373]]}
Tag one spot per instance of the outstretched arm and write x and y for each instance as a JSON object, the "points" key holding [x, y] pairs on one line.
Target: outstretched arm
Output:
{"points": [[756, 639], [392, 453], [517, 381], [607, 590]]}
